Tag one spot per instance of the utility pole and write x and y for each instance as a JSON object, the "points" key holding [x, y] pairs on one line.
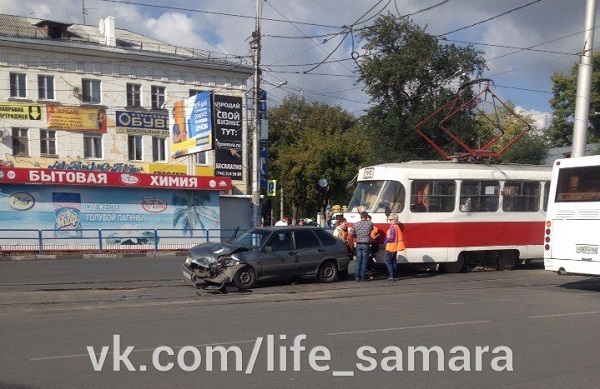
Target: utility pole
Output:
{"points": [[584, 84], [255, 46]]}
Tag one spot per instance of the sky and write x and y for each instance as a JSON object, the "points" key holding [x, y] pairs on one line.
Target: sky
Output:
{"points": [[524, 41]]}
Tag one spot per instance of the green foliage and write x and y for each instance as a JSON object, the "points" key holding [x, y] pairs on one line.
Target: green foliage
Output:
{"points": [[564, 95], [409, 74], [311, 141], [531, 148]]}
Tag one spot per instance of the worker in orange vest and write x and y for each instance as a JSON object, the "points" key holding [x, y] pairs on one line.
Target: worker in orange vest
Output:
{"points": [[394, 242]]}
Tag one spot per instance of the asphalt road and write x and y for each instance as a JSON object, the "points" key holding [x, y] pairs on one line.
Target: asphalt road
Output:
{"points": [[539, 328]]}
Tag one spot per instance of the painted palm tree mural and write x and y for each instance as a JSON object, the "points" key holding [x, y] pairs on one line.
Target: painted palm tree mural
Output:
{"points": [[192, 210]]}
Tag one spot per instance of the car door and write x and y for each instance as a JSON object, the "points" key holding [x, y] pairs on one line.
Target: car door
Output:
{"points": [[308, 250], [279, 257]]}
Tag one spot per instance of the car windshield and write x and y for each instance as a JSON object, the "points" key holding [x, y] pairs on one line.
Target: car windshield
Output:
{"points": [[252, 239]]}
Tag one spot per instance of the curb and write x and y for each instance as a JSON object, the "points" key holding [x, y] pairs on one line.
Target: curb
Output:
{"points": [[34, 257]]}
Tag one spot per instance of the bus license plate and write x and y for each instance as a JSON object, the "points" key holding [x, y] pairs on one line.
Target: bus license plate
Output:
{"points": [[586, 249]]}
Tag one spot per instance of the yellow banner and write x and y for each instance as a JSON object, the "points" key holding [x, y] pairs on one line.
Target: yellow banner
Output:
{"points": [[165, 168], [19, 111], [76, 118]]}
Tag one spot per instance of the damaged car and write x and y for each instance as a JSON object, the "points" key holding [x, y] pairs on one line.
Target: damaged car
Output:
{"points": [[268, 252]]}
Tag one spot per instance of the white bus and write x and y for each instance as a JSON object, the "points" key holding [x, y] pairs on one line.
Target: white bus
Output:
{"points": [[457, 214], [573, 221]]}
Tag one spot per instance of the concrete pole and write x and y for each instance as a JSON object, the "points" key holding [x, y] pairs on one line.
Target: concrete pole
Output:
{"points": [[584, 84], [255, 44]]}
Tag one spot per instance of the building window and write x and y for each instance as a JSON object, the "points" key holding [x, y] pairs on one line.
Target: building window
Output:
{"points": [[158, 97], [18, 85], [194, 92], [134, 92], [45, 87], [92, 146], [91, 91], [135, 147], [47, 143], [200, 158], [158, 148], [20, 142]]}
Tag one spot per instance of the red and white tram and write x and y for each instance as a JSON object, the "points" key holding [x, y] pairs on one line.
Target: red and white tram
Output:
{"points": [[457, 214]]}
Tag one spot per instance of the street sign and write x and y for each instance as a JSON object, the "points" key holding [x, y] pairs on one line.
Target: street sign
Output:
{"points": [[271, 188]]}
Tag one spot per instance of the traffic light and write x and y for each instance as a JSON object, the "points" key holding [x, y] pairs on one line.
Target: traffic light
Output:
{"points": [[271, 188]]}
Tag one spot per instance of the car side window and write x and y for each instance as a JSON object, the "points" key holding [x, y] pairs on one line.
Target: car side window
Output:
{"points": [[326, 238], [306, 239], [281, 241]]}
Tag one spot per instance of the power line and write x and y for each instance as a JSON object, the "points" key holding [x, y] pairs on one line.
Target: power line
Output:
{"points": [[492, 18], [214, 13]]}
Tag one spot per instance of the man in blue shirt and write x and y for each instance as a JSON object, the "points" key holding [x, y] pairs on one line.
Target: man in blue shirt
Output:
{"points": [[362, 233]]}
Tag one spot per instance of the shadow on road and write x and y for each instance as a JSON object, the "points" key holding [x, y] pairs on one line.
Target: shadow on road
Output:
{"points": [[590, 284]]}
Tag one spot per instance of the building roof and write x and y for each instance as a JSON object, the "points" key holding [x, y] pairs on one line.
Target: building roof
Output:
{"points": [[32, 28]]}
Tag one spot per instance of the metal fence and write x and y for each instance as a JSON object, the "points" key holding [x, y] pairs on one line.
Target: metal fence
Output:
{"points": [[106, 240]]}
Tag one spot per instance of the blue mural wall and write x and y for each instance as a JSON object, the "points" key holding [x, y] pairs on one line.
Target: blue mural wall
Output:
{"points": [[69, 210]]}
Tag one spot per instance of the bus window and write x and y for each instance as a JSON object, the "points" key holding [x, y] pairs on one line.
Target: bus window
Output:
{"points": [[479, 196], [521, 196], [578, 184], [432, 196]]}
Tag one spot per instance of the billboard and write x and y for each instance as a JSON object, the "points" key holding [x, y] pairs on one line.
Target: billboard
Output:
{"points": [[76, 118], [142, 123], [190, 123], [67, 214], [228, 136]]}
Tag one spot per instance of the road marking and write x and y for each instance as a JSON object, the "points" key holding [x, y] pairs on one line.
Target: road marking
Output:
{"points": [[565, 314], [141, 350], [409, 327], [342, 373]]}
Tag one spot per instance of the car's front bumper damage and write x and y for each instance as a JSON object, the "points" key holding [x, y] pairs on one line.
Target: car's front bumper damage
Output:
{"points": [[215, 273]]}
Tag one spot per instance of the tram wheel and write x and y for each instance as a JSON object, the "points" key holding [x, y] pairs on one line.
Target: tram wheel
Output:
{"points": [[453, 267], [506, 260]]}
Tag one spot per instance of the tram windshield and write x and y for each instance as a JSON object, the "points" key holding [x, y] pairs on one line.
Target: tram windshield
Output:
{"points": [[378, 197]]}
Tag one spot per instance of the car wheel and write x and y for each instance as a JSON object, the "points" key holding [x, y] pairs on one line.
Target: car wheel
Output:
{"points": [[244, 278], [328, 272]]}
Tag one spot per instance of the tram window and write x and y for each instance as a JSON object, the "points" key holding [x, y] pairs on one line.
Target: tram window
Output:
{"points": [[479, 196], [521, 196], [546, 194], [432, 196]]}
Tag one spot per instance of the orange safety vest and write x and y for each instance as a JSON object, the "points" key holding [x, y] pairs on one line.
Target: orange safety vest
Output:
{"points": [[398, 245]]}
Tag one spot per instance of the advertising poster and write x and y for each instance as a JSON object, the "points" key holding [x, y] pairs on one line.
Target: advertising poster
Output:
{"points": [[228, 136], [142, 123], [126, 217], [191, 125], [76, 118]]}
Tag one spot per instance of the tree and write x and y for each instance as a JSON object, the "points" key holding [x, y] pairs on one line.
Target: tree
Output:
{"points": [[408, 73], [311, 141], [531, 148], [564, 95]]}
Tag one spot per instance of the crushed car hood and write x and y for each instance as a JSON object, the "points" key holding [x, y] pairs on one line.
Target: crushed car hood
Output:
{"points": [[212, 251]]}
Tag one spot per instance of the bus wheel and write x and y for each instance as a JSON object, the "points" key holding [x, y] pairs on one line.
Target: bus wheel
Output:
{"points": [[507, 260], [453, 267]]}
